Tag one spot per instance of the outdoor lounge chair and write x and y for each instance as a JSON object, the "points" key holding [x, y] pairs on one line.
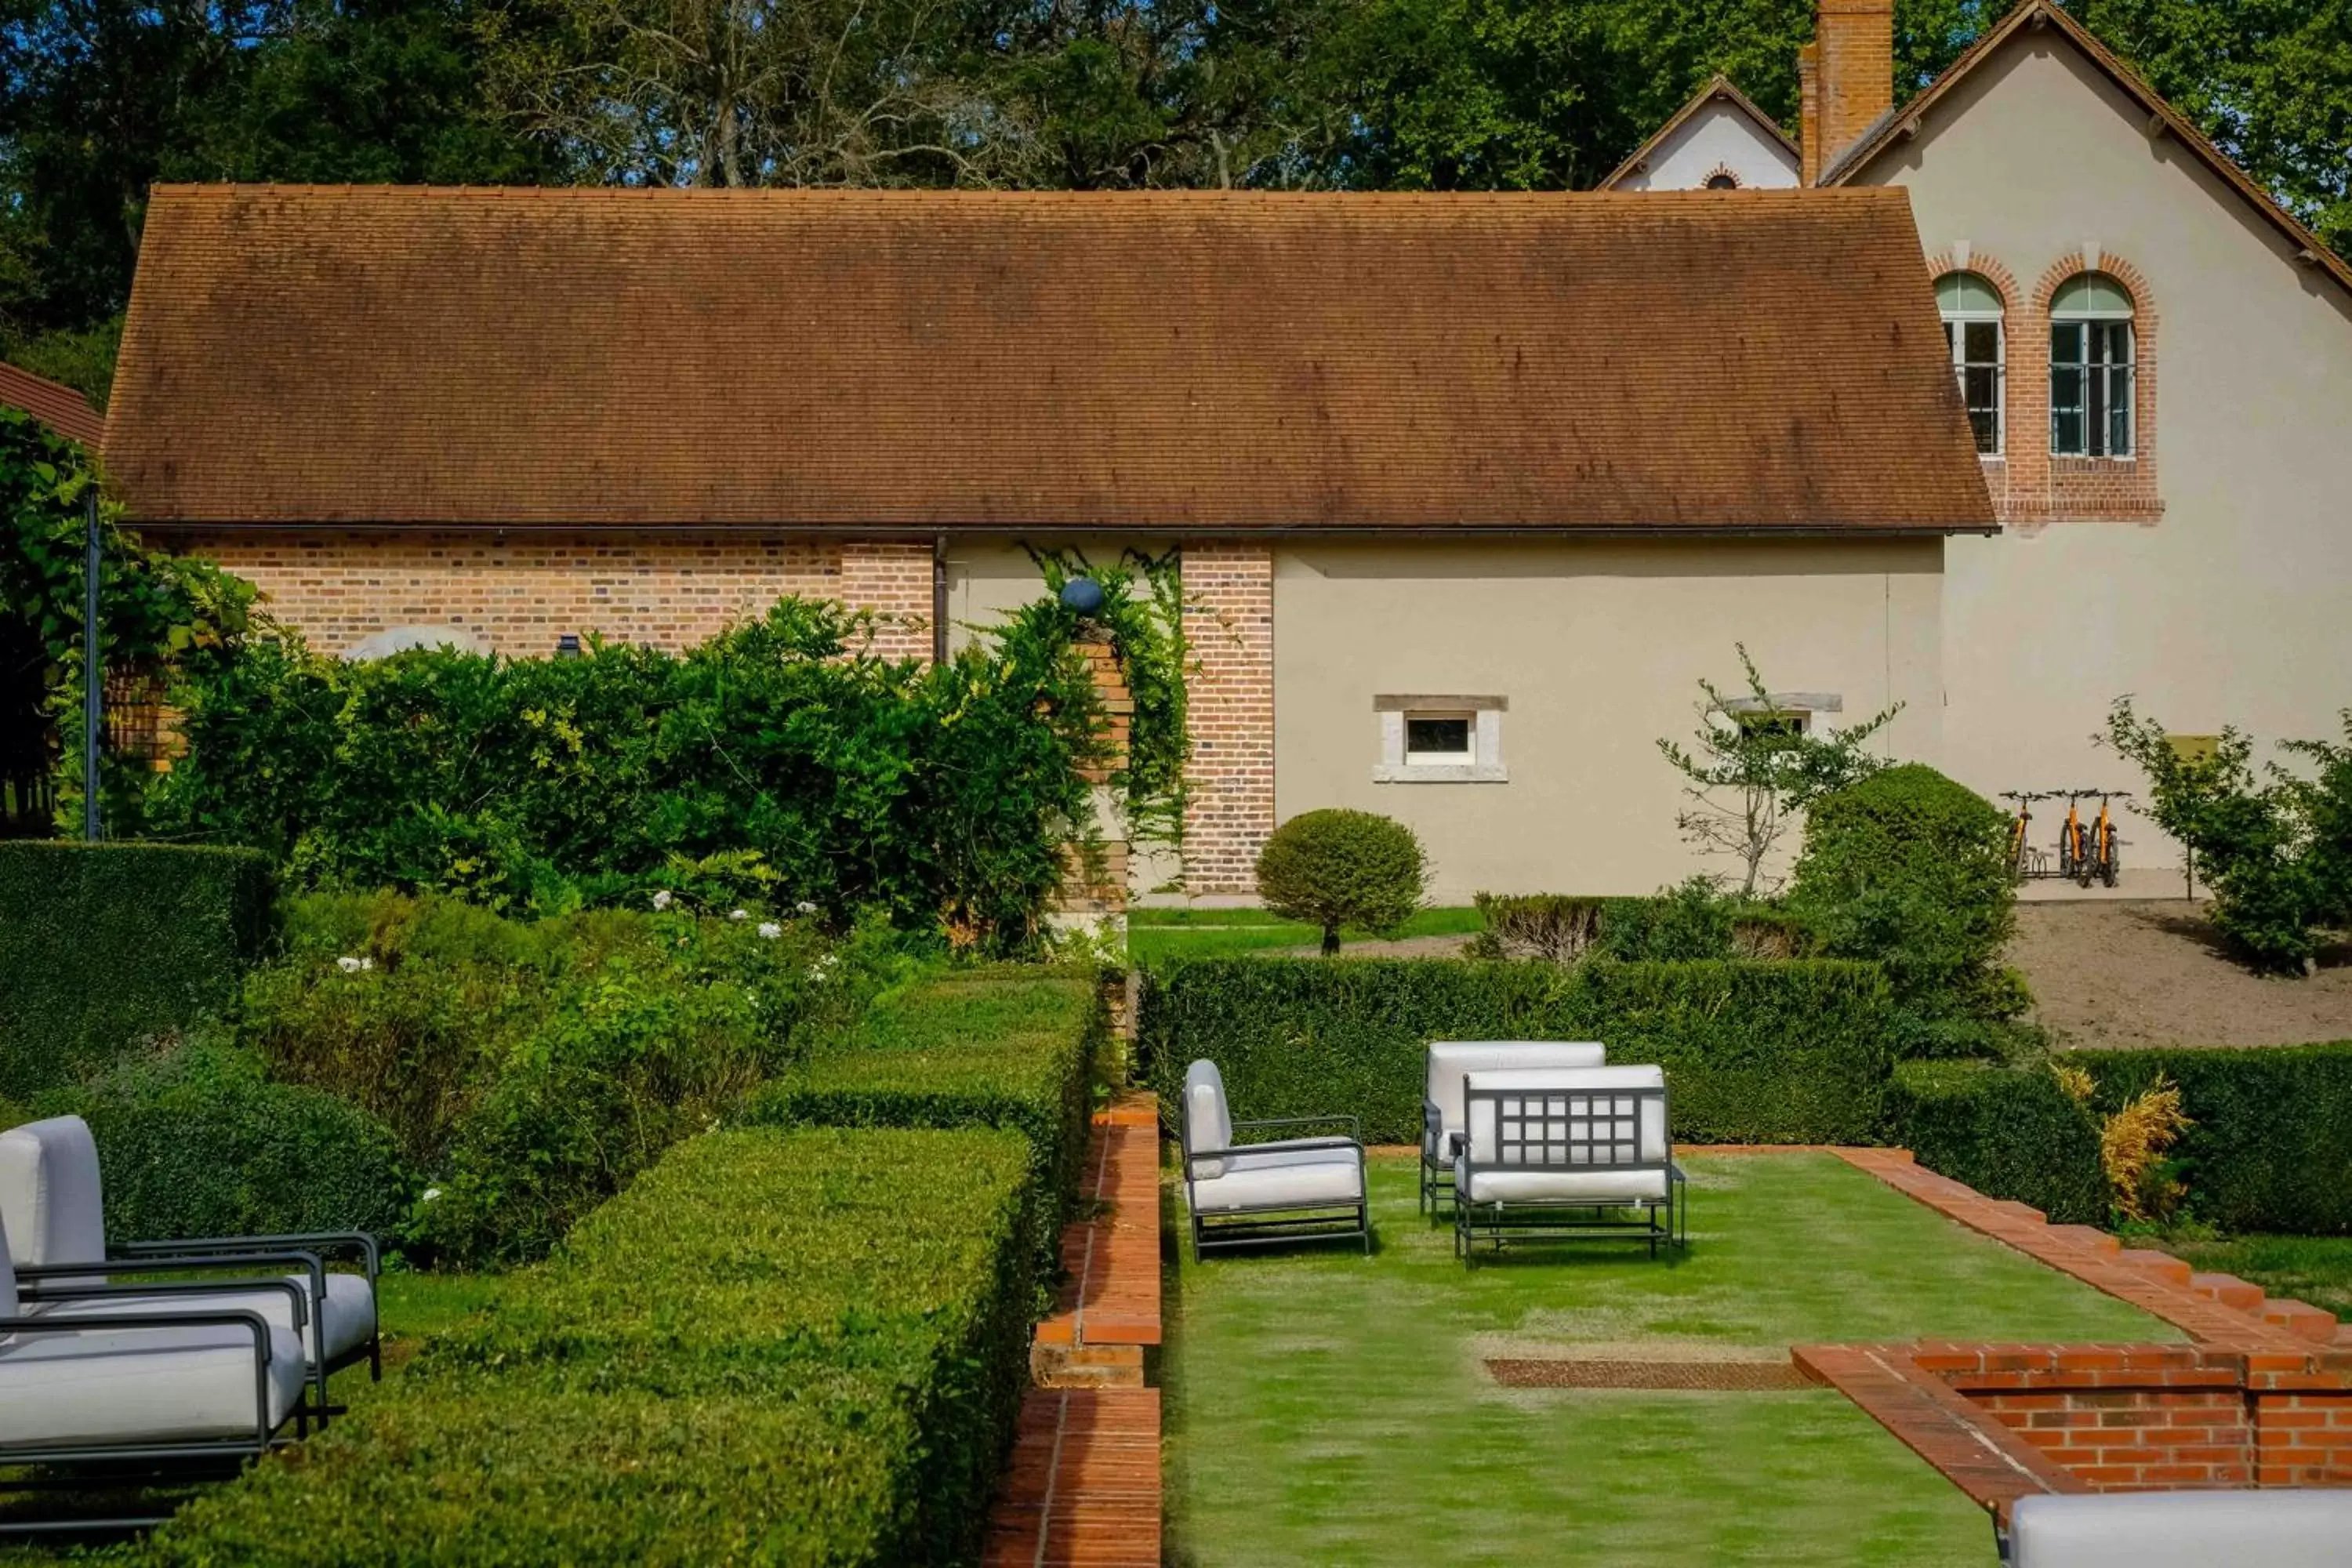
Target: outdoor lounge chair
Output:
{"points": [[148, 1393], [52, 1201], [1255, 1195], [1440, 1106], [1567, 1152], [2275, 1528]]}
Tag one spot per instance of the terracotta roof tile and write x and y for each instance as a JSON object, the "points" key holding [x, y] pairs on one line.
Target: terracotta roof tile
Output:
{"points": [[54, 404], [1194, 360]]}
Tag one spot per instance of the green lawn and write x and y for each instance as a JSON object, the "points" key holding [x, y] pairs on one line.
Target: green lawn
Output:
{"points": [[1327, 1408], [1220, 933], [2313, 1268]]}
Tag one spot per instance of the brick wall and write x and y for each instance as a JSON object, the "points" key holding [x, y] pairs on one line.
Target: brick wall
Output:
{"points": [[2121, 1439], [1854, 68], [520, 593], [1229, 629]]}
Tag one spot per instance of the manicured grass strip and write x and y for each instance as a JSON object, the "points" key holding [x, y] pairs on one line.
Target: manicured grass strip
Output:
{"points": [[1327, 1408], [2313, 1268], [1154, 935], [802, 1347]]}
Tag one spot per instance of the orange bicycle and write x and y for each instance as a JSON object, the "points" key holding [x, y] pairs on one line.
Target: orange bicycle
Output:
{"points": [[2105, 860], [2074, 840], [2024, 860]]}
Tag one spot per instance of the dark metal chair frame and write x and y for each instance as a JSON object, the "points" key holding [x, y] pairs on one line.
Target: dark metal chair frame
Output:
{"points": [[108, 1465], [1274, 1224], [307, 1249], [1610, 1142]]}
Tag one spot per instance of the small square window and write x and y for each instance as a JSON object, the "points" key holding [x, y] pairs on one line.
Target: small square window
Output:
{"points": [[1438, 738], [1788, 725]]}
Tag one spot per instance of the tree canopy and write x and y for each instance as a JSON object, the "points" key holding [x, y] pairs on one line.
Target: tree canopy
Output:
{"points": [[98, 99]]}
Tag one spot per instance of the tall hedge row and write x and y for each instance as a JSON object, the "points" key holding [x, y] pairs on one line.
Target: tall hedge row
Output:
{"points": [[994, 1050], [101, 945], [2009, 1133], [1790, 1052], [2269, 1144], [778, 1347]]}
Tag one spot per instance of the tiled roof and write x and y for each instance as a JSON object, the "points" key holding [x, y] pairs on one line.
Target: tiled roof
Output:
{"points": [[55, 404], [912, 360], [2037, 15]]}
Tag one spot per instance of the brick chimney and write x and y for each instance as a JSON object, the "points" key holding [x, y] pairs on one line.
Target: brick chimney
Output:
{"points": [[1845, 77]]}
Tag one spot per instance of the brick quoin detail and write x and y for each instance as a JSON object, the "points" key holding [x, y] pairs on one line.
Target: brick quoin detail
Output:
{"points": [[2030, 485], [519, 593], [1229, 634]]}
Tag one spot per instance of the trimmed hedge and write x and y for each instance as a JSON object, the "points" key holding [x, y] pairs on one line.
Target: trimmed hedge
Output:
{"points": [[1692, 921], [987, 1049], [198, 1142], [1784, 1052], [2271, 1147], [803, 1347], [101, 945], [2009, 1133]]}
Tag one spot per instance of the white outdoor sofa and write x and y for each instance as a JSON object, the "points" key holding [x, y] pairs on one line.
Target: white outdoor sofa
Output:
{"points": [[1261, 1193], [52, 1203], [1441, 1106], [1557, 1153], [2275, 1528], [173, 1381]]}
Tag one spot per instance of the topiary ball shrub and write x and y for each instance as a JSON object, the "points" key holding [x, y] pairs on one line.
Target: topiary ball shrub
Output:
{"points": [[1342, 867], [1911, 869]]}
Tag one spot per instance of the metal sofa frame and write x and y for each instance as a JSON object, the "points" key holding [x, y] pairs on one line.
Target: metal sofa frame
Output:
{"points": [[1587, 1143], [1272, 1224]]}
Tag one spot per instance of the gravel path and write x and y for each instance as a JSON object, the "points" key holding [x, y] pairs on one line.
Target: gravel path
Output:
{"points": [[2155, 972]]}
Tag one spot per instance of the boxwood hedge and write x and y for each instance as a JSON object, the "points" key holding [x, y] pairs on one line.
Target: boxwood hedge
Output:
{"points": [[798, 1347], [2008, 1131], [2269, 1144], [1785, 1052], [101, 945], [994, 1048]]}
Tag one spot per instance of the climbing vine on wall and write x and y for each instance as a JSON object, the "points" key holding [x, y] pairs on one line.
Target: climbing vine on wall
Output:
{"points": [[1143, 617]]}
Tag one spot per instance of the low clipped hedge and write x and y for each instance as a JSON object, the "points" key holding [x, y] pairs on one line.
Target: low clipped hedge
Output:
{"points": [[990, 1050], [2270, 1147], [197, 1142], [1781, 1052], [2009, 1133], [103, 944], [803, 1347]]}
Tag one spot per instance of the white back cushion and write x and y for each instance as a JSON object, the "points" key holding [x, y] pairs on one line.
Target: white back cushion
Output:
{"points": [[7, 1278], [1449, 1059], [1580, 1094], [1208, 1124], [50, 1200], [2277, 1528]]}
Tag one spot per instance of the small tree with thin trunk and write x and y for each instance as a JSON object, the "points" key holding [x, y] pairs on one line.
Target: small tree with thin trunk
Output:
{"points": [[1754, 765], [1343, 868]]}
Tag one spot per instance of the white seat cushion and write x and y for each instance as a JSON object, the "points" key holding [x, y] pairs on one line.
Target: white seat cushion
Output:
{"points": [[1283, 1178], [1554, 1186], [160, 1386], [50, 1198], [1208, 1125], [350, 1315], [2276, 1528], [1450, 1060]]}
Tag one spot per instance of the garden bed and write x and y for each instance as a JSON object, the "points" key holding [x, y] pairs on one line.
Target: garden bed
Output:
{"points": [[2156, 973], [1324, 1408]]}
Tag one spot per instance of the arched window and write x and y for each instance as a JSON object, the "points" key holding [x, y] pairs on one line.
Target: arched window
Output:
{"points": [[2091, 368], [1972, 335], [1723, 180]]}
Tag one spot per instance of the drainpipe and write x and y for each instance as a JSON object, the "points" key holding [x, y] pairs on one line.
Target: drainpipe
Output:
{"points": [[939, 599]]}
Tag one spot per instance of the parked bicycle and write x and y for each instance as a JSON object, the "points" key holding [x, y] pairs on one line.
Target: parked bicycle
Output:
{"points": [[2025, 861], [2103, 857]]}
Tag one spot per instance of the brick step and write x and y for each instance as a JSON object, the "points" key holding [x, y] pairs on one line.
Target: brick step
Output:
{"points": [[1086, 1366], [2173, 1271], [2090, 1238], [2230, 1290], [2301, 1319]]}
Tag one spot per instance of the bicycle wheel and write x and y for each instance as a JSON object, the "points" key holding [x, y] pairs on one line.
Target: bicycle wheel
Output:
{"points": [[2111, 864], [2067, 850]]}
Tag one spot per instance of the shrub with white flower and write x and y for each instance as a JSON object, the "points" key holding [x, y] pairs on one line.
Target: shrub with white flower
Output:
{"points": [[431, 1193], [347, 965], [804, 908], [771, 930], [738, 914], [662, 900]]}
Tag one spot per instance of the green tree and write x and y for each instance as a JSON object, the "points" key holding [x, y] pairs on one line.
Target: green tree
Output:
{"points": [[1753, 765], [1338, 867]]}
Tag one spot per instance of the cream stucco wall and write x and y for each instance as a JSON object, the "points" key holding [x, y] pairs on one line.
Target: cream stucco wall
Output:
{"points": [[2237, 605], [1599, 646], [1719, 136]]}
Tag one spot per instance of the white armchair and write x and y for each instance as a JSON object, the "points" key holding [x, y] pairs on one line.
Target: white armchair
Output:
{"points": [[1567, 1152], [1258, 1193], [1440, 1106], [52, 1202], [2276, 1526], [190, 1379]]}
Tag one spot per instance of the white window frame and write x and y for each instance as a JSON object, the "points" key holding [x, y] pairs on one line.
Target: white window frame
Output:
{"points": [[2116, 374], [1956, 319], [1483, 764]]}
